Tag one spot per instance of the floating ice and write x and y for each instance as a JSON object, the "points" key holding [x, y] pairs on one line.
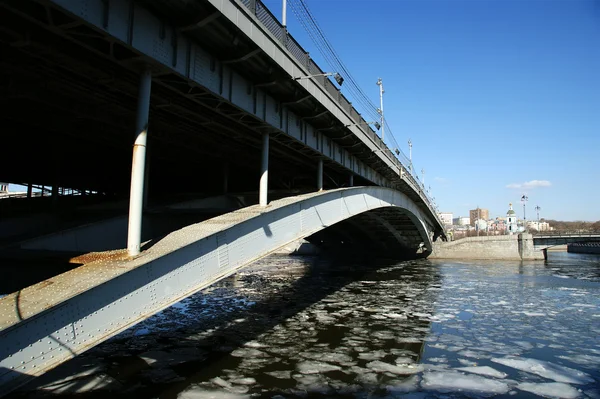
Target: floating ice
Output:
{"points": [[556, 390], [474, 354], [328, 357], [452, 381], [524, 344], [313, 367], [281, 374], [547, 370], [374, 355], [248, 352], [379, 366], [534, 314], [394, 315], [404, 360], [196, 392], [467, 363], [409, 384], [484, 370], [581, 359]]}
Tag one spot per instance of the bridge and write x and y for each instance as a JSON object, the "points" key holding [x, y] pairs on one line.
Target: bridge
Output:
{"points": [[241, 145], [543, 241]]}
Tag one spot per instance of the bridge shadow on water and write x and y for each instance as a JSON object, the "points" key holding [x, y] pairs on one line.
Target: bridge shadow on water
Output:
{"points": [[185, 356]]}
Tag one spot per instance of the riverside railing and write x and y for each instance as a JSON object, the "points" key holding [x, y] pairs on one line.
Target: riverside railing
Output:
{"points": [[270, 22]]}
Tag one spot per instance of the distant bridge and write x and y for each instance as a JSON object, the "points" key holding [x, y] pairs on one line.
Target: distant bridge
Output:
{"points": [[546, 240]]}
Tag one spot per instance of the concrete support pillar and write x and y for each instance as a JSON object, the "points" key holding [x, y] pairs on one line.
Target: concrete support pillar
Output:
{"points": [[29, 190], [138, 164], [147, 179], [320, 175], [545, 252], [264, 171], [526, 248], [225, 177], [351, 180]]}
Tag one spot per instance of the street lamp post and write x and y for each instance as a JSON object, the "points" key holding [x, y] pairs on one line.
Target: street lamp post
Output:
{"points": [[380, 110], [423, 177], [410, 155], [524, 199]]}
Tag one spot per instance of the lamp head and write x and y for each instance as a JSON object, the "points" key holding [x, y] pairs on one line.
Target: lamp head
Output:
{"points": [[338, 78], [377, 125]]}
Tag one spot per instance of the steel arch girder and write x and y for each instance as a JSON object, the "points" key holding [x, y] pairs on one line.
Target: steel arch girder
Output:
{"points": [[53, 321]]}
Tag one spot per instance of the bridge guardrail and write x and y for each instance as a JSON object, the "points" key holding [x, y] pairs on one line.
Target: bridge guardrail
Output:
{"points": [[271, 23], [570, 233]]}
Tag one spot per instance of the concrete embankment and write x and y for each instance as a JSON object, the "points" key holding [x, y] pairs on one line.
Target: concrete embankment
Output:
{"points": [[513, 247]]}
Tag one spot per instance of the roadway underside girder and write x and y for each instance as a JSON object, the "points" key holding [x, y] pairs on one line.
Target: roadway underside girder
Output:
{"points": [[70, 112]]}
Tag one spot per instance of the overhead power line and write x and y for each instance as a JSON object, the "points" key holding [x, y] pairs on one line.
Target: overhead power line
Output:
{"points": [[356, 94]]}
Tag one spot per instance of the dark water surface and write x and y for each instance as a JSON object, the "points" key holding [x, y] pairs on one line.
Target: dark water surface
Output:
{"points": [[319, 328]]}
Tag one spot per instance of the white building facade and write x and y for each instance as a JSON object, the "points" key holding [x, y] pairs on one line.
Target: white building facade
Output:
{"points": [[511, 221], [446, 218]]}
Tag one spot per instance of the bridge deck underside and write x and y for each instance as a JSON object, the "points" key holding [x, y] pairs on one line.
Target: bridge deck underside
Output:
{"points": [[383, 231], [69, 113]]}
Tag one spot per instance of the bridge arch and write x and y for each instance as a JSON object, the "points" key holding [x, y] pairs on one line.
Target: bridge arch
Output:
{"points": [[60, 318]]}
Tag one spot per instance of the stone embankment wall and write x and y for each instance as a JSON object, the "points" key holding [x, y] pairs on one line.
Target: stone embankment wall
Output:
{"points": [[584, 248], [515, 247]]}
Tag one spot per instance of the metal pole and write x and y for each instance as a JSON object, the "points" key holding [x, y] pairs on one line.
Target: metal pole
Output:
{"points": [[381, 91], [264, 171], [351, 182], [136, 197], [29, 190], [320, 175], [410, 154], [284, 14]]}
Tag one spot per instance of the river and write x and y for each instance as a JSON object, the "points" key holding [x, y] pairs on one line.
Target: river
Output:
{"points": [[312, 327]]}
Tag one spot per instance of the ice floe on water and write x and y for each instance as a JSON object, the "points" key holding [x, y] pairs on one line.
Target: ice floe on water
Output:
{"points": [[484, 370], [548, 370], [412, 330], [453, 381], [556, 390]]}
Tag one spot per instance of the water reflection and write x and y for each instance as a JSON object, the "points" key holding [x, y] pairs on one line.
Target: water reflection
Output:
{"points": [[578, 266]]}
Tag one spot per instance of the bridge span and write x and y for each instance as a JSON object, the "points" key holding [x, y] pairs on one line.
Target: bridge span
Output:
{"points": [[215, 97], [50, 322]]}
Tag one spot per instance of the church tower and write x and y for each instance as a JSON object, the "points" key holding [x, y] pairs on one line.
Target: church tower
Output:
{"points": [[511, 221]]}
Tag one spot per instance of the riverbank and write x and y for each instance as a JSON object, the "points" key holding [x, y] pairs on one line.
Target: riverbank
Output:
{"points": [[506, 247]]}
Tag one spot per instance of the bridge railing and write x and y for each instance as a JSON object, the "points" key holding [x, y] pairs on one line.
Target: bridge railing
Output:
{"points": [[569, 233], [270, 22]]}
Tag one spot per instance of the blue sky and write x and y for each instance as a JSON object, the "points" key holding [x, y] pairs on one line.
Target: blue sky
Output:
{"points": [[500, 98]]}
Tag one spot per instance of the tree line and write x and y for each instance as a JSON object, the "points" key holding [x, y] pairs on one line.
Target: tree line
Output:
{"points": [[560, 225]]}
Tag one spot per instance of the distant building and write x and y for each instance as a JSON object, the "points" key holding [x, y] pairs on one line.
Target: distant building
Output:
{"points": [[461, 221], [481, 225], [539, 226], [3, 187], [511, 220], [476, 214], [446, 218]]}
